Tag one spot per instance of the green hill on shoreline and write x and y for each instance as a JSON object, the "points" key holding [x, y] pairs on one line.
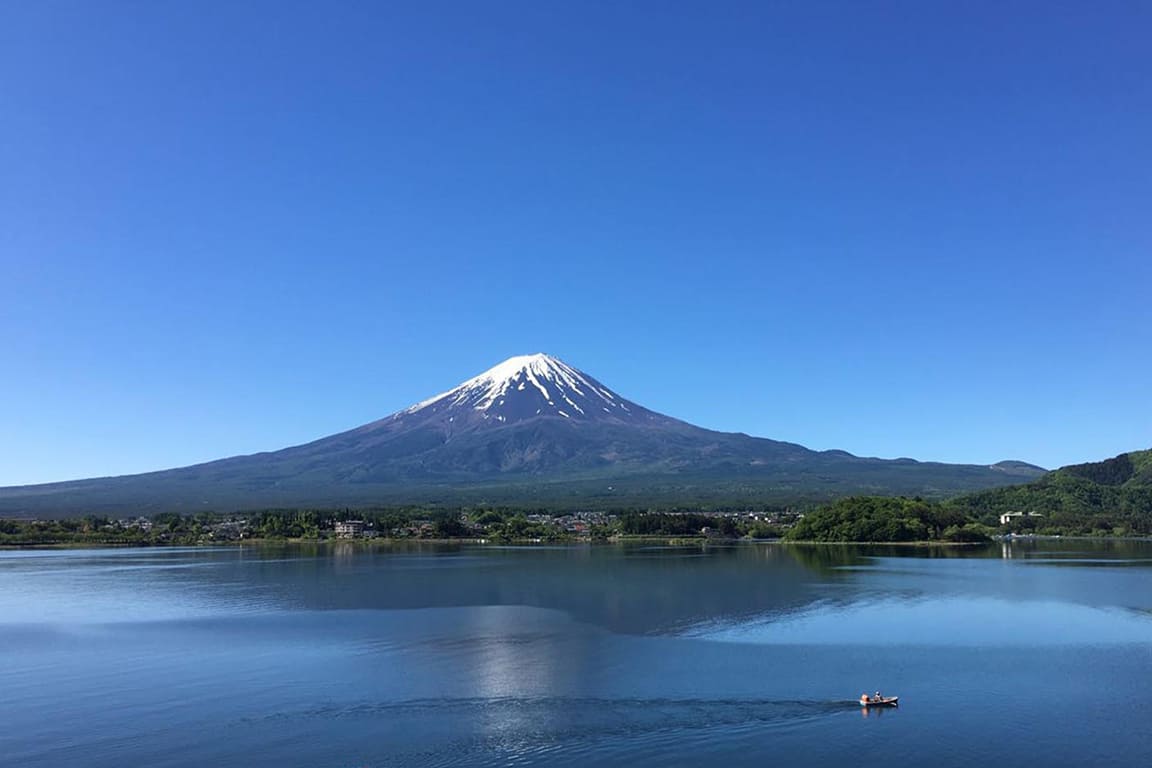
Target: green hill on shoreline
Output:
{"points": [[1104, 497]]}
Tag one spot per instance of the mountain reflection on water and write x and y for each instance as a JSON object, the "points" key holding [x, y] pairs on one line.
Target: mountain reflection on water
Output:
{"points": [[431, 654], [636, 589]]}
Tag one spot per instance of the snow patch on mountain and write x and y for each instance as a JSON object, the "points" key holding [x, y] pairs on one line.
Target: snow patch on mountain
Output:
{"points": [[544, 380]]}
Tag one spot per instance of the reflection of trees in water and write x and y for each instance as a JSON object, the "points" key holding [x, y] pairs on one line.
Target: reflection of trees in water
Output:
{"points": [[827, 558], [1085, 552]]}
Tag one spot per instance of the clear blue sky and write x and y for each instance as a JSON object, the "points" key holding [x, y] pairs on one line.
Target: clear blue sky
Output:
{"points": [[900, 229]]}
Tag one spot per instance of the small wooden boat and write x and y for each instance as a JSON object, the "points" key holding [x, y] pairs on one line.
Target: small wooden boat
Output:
{"points": [[883, 701]]}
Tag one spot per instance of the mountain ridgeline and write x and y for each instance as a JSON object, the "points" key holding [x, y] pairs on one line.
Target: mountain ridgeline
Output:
{"points": [[531, 431]]}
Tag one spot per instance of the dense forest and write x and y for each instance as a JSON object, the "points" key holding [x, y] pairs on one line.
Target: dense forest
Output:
{"points": [[884, 518]]}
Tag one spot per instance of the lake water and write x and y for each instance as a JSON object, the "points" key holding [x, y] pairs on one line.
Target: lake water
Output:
{"points": [[1030, 654]]}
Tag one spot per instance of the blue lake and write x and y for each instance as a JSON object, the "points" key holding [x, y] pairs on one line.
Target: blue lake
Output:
{"points": [[1031, 653]]}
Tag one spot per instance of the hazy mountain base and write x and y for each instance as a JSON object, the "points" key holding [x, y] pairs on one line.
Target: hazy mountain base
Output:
{"points": [[723, 485]]}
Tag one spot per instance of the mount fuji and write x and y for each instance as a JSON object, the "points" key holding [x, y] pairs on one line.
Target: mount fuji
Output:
{"points": [[532, 429]]}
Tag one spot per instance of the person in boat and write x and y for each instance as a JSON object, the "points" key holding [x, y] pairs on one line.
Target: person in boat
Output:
{"points": [[864, 698], [878, 697]]}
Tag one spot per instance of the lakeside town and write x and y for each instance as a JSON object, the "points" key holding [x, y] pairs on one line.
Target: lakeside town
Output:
{"points": [[480, 525], [1040, 509]]}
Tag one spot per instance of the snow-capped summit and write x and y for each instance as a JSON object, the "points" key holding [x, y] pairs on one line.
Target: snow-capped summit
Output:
{"points": [[527, 387]]}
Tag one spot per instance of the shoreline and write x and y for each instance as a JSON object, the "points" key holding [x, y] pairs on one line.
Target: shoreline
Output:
{"points": [[671, 541]]}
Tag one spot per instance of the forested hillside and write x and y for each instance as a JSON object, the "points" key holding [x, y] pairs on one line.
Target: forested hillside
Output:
{"points": [[1103, 497]]}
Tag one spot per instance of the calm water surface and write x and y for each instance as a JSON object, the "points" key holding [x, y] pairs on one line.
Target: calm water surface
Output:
{"points": [[1035, 653]]}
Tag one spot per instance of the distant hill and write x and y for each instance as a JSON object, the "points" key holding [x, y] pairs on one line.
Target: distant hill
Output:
{"points": [[530, 431], [1111, 496]]}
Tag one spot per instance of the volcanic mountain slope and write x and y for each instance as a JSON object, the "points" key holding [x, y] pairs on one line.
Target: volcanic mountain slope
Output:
{"points": [[530, 429]]}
